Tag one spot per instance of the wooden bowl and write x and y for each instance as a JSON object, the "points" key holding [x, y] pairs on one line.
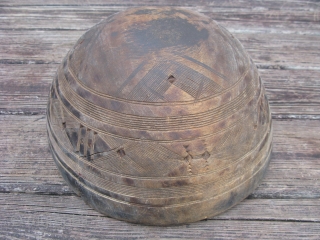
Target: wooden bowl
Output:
{"points": [[158, 116]]}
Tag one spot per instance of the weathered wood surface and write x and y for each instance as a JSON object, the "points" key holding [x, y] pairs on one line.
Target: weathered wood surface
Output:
{"points": [[269, 50], [24, 89], [61, 217], [27, 165], [283, 39]]}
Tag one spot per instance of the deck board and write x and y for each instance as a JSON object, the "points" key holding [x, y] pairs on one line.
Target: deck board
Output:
{"points": [[68, 217], [281, 36]]}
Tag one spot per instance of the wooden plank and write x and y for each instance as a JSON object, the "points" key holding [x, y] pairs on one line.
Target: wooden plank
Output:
{"points": [[27, 165], [56, 226], [272, 4], [36, 46], [68, 217], [265, 6], [268, 50], [292, 93], [307, 210], [281, 4], [24, 88], [246, 15]]}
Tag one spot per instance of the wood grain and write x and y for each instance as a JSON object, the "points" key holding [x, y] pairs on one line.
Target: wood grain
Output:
{"points": [[292, 93], [268, 50], [304, 210], [59, 226], [68, 217], [247, 14], [281, 36], [27, 165]]}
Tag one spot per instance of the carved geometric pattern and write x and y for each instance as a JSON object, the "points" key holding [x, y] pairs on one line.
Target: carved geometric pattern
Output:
{"points": [[159, 116], [153, 86]]}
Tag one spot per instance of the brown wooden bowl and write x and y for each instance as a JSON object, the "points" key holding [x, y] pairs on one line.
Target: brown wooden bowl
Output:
{"points": [[158, 116]]}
